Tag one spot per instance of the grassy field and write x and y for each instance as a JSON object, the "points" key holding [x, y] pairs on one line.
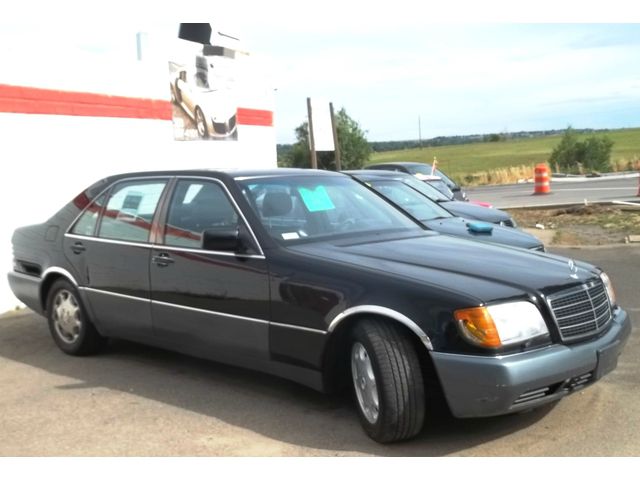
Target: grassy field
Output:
{"points": [[461, 161]]}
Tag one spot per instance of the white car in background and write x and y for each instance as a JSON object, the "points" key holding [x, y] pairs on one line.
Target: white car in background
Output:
{"points": [[210, 104]]}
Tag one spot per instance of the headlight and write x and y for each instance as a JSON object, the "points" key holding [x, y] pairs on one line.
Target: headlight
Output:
{"points": [[500, 325], [609, 286]]}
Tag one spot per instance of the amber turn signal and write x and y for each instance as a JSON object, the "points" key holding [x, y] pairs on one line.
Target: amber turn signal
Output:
{"points": [[477, 326]]}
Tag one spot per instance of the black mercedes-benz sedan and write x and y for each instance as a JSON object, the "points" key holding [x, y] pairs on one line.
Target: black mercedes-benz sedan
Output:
{"points": [[421, 171], [466, 210], [314, 277]]}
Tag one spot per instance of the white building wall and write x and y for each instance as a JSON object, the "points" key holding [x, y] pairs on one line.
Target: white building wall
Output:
{"points": [[48, 159]]}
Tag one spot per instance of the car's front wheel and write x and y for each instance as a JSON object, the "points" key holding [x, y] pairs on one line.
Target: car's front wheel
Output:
{"points": [[69, 323], [387, 381]]}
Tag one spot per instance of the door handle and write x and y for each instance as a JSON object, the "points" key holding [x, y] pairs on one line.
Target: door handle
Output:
{"points": [[78, 248], [162, 260]]}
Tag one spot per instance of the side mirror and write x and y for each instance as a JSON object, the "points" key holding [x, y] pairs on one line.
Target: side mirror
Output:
{"points": [[224, 240]]}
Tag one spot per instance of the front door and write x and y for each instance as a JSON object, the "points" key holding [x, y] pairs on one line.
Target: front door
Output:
{"points": [[210, 303]]}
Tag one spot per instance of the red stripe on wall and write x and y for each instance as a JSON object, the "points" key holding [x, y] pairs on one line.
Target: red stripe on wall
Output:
{"points": [[16, 99], [249, 116]]}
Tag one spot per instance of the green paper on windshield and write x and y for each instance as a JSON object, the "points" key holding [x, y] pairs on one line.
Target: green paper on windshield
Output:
{"points": [[316, 200]]}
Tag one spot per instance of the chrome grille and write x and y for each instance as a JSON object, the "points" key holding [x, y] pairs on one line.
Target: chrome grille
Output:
{"points": [[582, 311]]}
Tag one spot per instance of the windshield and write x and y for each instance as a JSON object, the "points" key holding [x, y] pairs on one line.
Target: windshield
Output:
{"points": [[312, 207], [416, 204]]}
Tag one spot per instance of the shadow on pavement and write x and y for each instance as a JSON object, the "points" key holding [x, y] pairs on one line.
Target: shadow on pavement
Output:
{"points": [[267, 405]]}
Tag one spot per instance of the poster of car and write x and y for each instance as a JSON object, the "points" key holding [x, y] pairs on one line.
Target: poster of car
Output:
{"points": [[202, 79]]}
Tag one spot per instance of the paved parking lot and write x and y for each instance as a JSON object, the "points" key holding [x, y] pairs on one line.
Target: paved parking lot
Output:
{"points": [[135, 400]]}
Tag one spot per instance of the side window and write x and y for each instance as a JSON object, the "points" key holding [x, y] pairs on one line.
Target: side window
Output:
{"points": [[197, 206], [86, 224], [130, 211]]}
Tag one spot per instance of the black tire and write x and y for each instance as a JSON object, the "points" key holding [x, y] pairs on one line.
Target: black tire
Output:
{"points": [[200, 118], [80, 339], [398, 379]]}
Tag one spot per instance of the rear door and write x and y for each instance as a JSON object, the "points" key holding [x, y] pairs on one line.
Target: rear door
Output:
{"points": [[214, 303], [113, 255]]}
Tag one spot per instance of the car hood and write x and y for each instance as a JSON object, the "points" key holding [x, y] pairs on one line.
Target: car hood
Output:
{"points": [[485, 271], [502, 235], [218, 104], [475, 212]]}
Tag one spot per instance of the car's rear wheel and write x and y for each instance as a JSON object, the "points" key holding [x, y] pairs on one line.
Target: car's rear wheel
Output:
{"points": [[201, 124], [387, 381], [69, 323]]}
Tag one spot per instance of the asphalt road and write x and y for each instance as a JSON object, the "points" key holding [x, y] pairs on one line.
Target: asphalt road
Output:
{"points": [[135, 400], [520, 195]]}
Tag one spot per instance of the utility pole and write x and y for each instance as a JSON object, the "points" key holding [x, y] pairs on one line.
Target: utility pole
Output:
{"points": [[336, 145], [419, 133], [312, 146]]}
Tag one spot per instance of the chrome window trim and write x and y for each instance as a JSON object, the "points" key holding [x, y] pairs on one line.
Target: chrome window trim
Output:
{"points": [[61, 271], [384, 311], [109, 240], [164, 247], [202, 251]]}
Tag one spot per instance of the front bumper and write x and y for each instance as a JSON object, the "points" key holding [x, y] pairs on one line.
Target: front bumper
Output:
{"points": [[477, 386]]}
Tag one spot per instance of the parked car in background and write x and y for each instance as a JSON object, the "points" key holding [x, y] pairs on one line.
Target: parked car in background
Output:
{"points": [[437, 183], [419, 170], [436, 218], [314, 277], [460, 209]]}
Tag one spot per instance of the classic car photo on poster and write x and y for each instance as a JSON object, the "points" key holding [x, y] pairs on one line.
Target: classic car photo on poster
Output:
{"points": [[203, 83]]}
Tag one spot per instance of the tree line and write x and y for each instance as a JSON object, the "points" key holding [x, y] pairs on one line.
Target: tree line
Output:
{"points": [[571, 155]]}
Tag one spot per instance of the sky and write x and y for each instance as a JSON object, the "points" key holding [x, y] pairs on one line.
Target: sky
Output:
{"points": [[460, 70], [460, 79]]}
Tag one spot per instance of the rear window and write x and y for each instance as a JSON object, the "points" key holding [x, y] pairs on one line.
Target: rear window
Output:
{"points": [[130, 210]]}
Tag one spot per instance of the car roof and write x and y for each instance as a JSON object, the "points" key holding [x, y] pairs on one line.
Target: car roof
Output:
{"points": [[363, 174], [230, 172], [389, 175], [280, 172], [396, 163]]}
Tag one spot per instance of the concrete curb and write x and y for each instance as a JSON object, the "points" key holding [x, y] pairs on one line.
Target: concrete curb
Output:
{"points": [[593, 179], [553, 179], [558, 205]]}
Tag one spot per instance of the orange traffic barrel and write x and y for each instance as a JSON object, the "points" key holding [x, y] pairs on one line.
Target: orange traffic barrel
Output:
{"points": [[542, 183]]}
